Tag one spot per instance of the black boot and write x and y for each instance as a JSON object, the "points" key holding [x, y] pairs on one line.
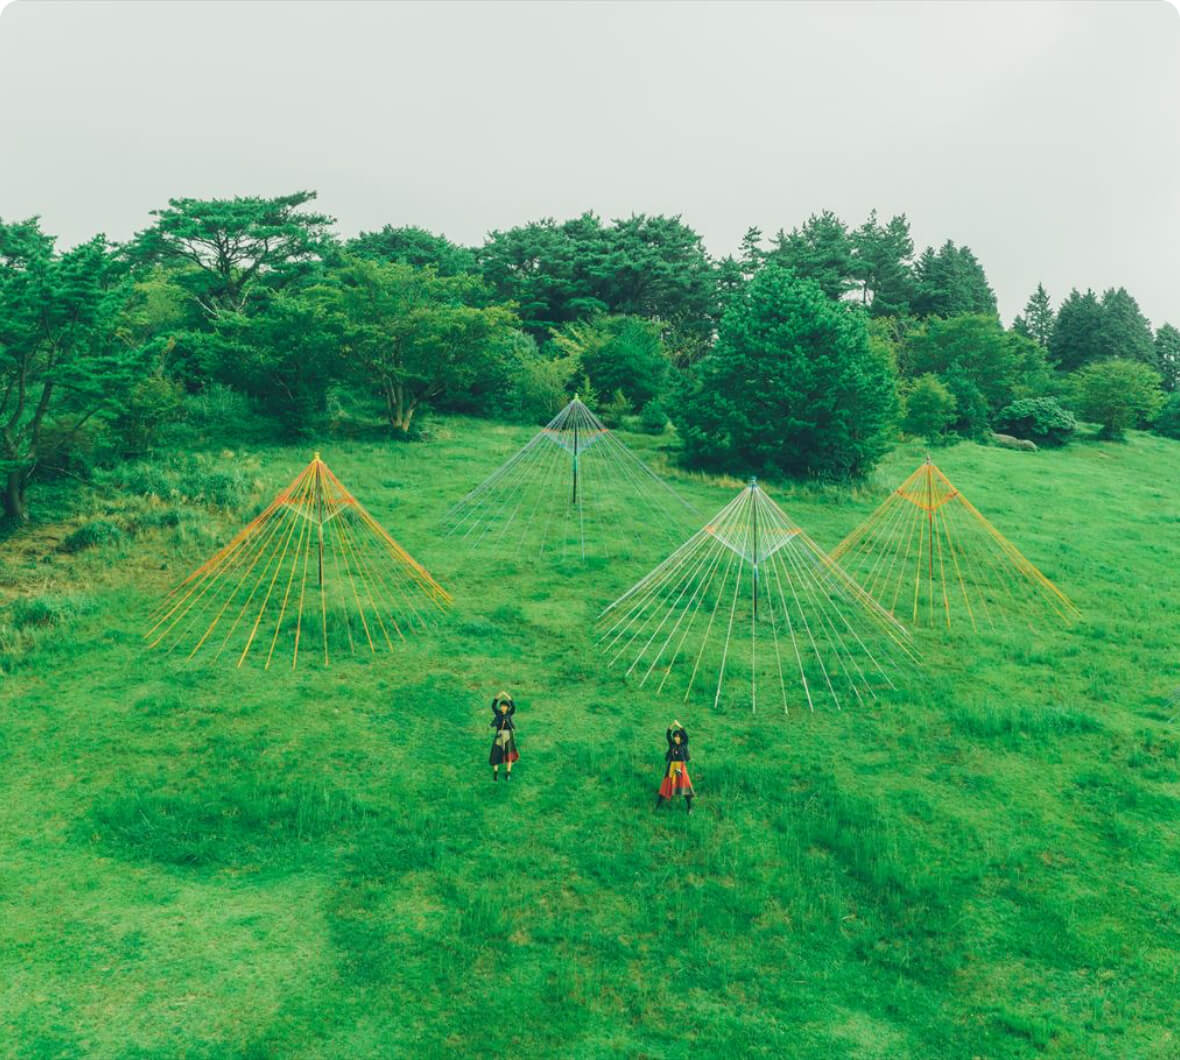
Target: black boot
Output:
{"points": [[508, 774], [495, 774], [688, 804], [659, 801]]}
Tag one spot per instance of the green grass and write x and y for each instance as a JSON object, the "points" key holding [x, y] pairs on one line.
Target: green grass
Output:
{"points": [[213, 862]]}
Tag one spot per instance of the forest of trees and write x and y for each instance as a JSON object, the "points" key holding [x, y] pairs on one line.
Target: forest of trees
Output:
{"points": [[803, 354]]}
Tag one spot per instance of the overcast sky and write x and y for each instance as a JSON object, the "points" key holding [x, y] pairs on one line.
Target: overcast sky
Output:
{"points": [[1045, 136]]}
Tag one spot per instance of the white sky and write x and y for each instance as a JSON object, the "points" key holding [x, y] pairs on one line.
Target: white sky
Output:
{"points": [[1046, 136]]}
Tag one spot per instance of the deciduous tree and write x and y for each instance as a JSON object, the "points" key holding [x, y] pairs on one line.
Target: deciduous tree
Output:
{"points": [[1117, 393]]}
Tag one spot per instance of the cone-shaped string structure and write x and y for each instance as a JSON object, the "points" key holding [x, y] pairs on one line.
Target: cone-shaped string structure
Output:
{"points": [[314, 572], [931, 559], [570, 490], [751, 609]]}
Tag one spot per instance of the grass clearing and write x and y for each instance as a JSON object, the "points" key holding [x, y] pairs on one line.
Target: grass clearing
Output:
{"points": [[222, 862]]}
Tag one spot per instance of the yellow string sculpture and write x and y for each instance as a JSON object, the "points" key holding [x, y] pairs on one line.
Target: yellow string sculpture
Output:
{"points": [[751, 601], [931, 559], [314, 572]]}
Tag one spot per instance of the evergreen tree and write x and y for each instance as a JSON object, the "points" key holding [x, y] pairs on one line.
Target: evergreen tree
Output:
{"points": [[410, 245], [1125, 331], [1167, 355], [223, 251], [1036, 322], [950, 282], [1076, 338], [750, 254], [821, 251], [883, 263], [655, 267], [65, 354], [793, 385]]}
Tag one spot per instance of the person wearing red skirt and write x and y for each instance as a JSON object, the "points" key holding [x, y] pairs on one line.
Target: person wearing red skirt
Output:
{"points": [[504, 744], [676, 779]]}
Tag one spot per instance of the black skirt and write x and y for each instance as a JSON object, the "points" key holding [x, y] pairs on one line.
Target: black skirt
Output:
{"points": [[505, 752]]}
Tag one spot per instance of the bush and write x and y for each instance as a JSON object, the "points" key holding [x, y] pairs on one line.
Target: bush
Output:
{"points": [[152, 403], [612, 412], [1040, 420], [182, 477], [91, 535], [1117, 394], [64, 450], [217, 412], [45, 611], [653, 419], [540, 385], [929, 409], [1167, 422]]}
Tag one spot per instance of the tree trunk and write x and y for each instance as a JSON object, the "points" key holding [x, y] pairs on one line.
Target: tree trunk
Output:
{"points": [[14, 496], [401, 414]]}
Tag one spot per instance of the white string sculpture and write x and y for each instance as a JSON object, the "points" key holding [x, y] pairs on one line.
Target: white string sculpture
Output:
{"points": [[573, 489], [314, 571], [750, 601]]}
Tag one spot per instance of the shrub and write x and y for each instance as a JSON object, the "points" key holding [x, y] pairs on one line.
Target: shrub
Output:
{"points": [[929, 408], [219, 412], [612, 412], [1041, 420], [46, 611], [653, 419], [74, 451], [182, 477], [1167, 422], [152, 403], [91, 535], [1117, 394]]}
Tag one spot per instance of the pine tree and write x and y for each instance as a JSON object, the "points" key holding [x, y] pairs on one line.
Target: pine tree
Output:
{"points": [[950, 282], [750, 254], [1036, 322], [794, 385], [819, 251], [1167, 355], [882, 256], [1076, 338], [1125, 331]]}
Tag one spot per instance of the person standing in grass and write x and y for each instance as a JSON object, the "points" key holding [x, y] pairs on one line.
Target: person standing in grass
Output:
{"points": [[504, 743], [676, 780]]}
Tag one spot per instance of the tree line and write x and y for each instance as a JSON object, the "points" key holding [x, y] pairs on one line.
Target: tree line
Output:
{"points": [[803, 353]]}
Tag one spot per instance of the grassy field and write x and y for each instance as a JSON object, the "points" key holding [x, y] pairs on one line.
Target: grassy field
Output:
{"points": [[213, 862]]}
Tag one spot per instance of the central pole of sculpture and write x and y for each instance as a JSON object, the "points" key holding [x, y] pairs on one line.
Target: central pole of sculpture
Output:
{"points": [[930, 511], [754, 522], [319, 515], [574, 498]]}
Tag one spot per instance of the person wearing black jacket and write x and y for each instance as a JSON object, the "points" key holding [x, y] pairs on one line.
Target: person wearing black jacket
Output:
{"points": [[504, 744], [676, 780]]}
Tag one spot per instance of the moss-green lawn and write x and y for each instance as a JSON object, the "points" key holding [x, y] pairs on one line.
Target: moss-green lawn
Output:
{"points": [[219, 862]]}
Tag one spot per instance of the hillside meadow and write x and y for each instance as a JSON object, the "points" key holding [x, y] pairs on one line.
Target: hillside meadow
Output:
{"points": [[206, 861]]}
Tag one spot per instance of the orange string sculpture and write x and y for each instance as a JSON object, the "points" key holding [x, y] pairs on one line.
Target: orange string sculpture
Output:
{"points": [[313, 565], [929, 557]]}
